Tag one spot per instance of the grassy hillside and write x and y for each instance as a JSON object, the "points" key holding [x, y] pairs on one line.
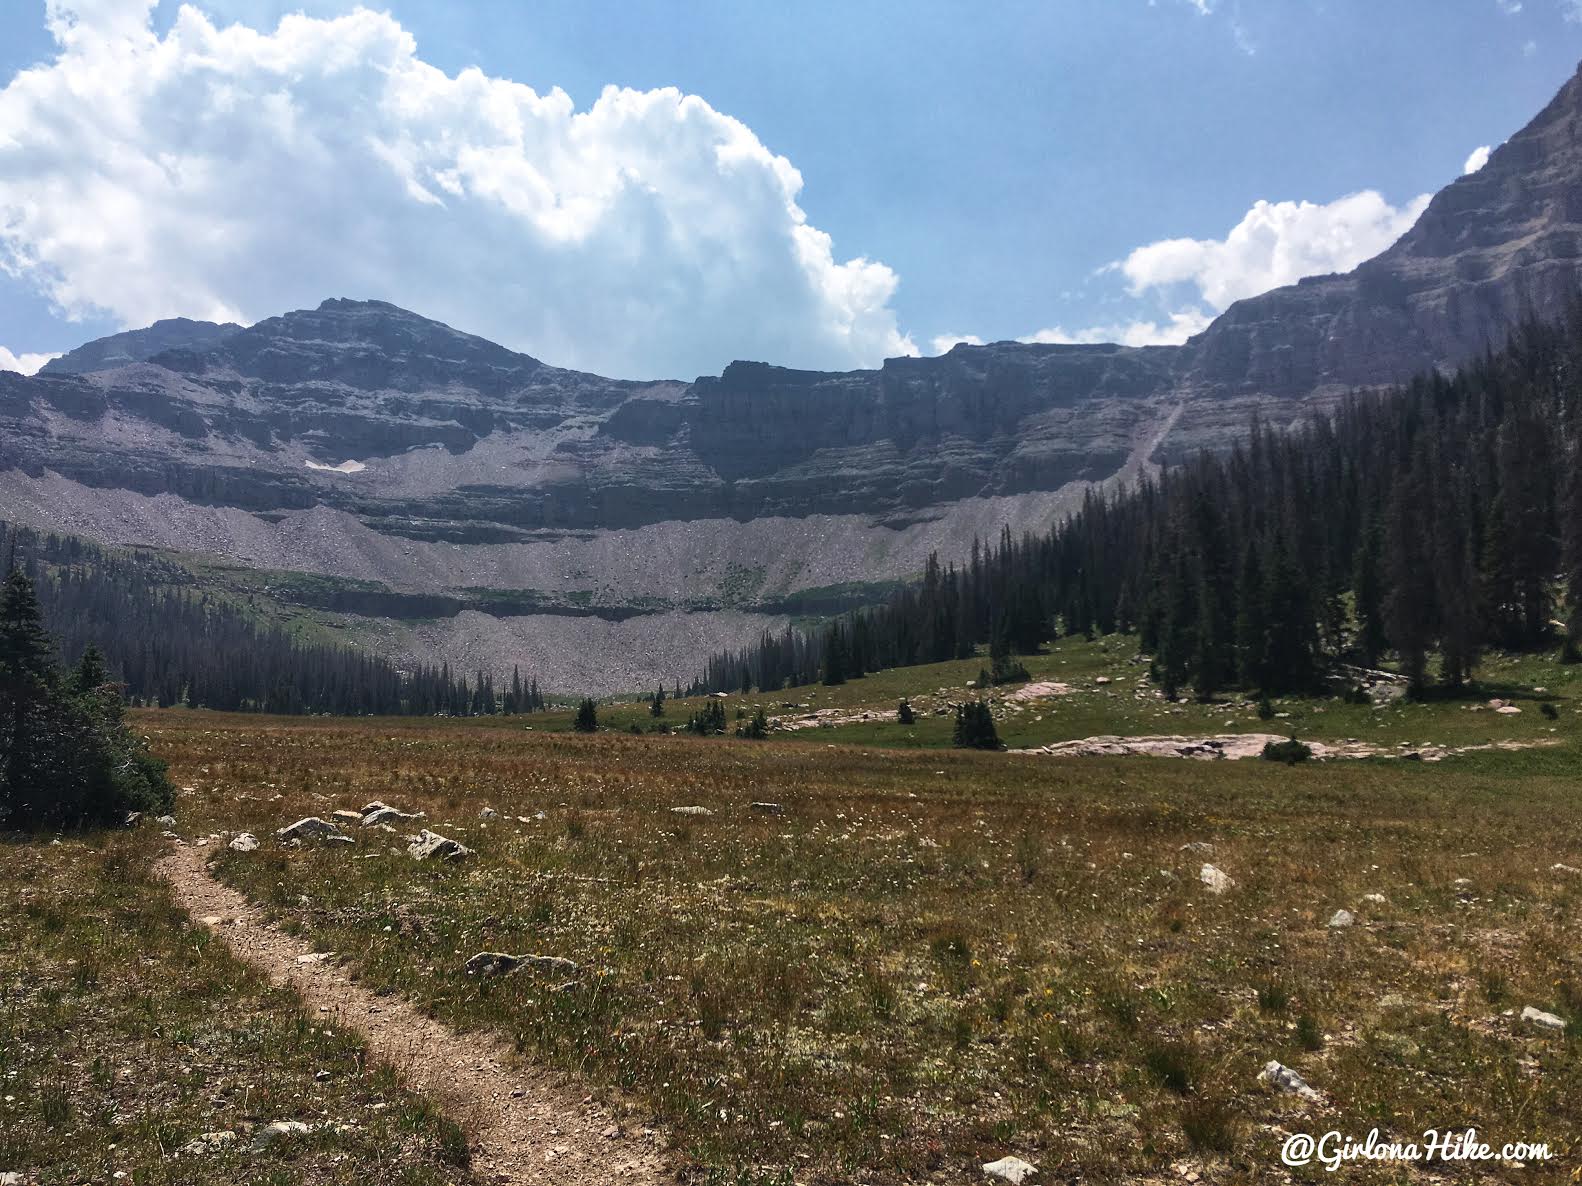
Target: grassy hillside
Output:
{"points": [[1108, 693]]}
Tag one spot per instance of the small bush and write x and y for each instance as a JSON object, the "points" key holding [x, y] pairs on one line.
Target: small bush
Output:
{"points": [[904, 713], [1309, 1033], [1357, 694], [1005, 670], [1265, 709], [1290, 752], [709, 721], [1175, 1065], [1551, 713], [1210, 1124], [756, 729], [1273, 997]]}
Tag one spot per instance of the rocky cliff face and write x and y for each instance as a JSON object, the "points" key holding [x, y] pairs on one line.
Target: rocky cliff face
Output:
{"points": [[484, 506]]}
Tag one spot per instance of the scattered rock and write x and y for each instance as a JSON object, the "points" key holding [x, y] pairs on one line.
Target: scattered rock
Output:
{"points": [[1375, 899], [1562, 867], [1544, 1021], [488, 813], [165, 821], [1011, 1169], [1283, 1078], [389, 815], [246, 842], [311, 828], [1217, 880], [1508, 710], [280, 1130], [133, 818], [431, 844], [1201, 848], [209, 1142], [768, 808], [347, 817], [492, 963], [693, 810], [551, 963], [1342, 918]]}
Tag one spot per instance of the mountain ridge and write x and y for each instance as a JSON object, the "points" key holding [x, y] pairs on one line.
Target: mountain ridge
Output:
{"points": [[364, 441]]}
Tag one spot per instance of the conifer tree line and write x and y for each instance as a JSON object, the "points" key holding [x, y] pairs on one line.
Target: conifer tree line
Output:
{"points": [[1420, 527], [67, 757], [168, 644]]}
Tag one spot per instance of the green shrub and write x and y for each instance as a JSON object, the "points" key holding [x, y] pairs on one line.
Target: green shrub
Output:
{"points": [[1290, 752], [709, 722]]}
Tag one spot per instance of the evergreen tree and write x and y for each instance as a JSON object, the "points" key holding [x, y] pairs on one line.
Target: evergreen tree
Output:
{"points": [[1368, 594], [66, 756], [1410, 609], [1572, 554], [90, 674], [835, 658], [587, 717], [975, 727]]}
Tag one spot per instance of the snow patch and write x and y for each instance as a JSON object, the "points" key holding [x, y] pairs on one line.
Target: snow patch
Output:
{"points": [[345, 467]]}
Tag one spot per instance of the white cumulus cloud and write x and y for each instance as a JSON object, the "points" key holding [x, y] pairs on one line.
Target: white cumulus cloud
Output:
{"points": [[230, 173], [1172, 330], [1275, 243], [1477, 159], [28, 364], [944, 343]]}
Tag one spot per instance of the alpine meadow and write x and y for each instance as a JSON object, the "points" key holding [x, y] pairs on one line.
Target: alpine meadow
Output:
{"points": [[1144, 752]]}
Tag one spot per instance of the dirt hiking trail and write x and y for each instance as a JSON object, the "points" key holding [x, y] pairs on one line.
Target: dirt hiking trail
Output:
{"points": [[526, 1125]]}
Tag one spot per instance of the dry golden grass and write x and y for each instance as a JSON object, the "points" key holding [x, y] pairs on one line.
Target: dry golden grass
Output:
{"points": [[126, 1031], [931, 959]]}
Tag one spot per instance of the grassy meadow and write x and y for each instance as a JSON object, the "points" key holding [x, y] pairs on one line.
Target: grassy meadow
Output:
{"points": [[126, 1032], [913, 961], [927, 960]]}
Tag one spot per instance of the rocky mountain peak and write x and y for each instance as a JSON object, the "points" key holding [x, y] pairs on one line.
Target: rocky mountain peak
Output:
{"points": [[139, 345], [369, 345]]}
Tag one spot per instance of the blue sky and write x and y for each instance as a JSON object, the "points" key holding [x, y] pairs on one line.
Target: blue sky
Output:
{"points": [[992, 158]]}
